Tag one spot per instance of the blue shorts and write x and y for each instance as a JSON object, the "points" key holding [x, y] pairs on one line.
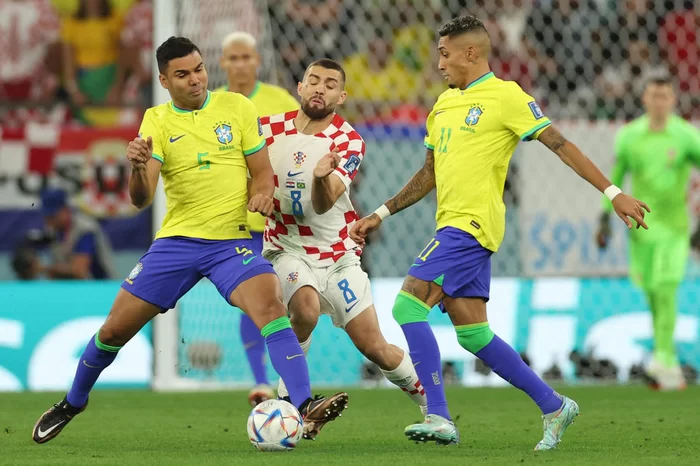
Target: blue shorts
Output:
{"points": [[257, 241], [172, 266], [457, 262]]}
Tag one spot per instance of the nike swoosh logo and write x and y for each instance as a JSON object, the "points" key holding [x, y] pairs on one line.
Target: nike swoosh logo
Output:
{"points": [[42, 434], [247, 261], [295, 356], [292, 175], [172, 139], [348, 309], [88, 365], [416, 364]]}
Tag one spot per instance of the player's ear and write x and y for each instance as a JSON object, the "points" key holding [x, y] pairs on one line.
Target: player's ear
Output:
{"points": [[163, 81], [343, 96], [472, 54], [300, 84]]}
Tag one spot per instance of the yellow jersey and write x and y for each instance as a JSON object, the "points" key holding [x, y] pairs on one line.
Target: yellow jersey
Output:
{"points": [[268, 100], [101, 48], [204, 170], [473, 133]]}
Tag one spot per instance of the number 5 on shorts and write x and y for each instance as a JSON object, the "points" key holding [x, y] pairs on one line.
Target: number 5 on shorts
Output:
{"points": [[432, 245]]}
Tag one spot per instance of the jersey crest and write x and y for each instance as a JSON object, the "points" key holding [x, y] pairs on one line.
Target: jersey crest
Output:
{"points": [[223, 133], [299, 158], [473, 116]]}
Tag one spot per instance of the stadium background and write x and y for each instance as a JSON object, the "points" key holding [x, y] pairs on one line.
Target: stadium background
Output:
{"points": [[566, 306]]}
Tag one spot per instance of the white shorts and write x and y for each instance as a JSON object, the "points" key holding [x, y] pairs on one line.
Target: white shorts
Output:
{"points": [[343, 287]]}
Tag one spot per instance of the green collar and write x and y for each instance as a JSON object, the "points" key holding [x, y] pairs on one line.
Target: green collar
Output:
{"points": [[255, 90], [177, 109], [480, 80]]}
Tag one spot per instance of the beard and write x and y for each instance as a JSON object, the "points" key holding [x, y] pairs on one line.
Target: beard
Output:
{"points": [[315, 112]]}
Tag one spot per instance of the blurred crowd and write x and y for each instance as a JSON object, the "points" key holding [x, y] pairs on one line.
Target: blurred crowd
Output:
{"points": [[90, 61]]}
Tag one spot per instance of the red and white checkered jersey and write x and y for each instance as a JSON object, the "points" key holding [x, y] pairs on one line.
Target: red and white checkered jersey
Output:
{"points": [[294, 226]]}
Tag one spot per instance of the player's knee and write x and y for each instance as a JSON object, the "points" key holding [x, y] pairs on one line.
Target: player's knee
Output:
{"points": [[268, 310], [110, 336], [304, 307], [305, 316], [409, 309]]}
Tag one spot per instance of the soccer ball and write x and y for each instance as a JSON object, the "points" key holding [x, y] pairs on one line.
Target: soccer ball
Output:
{"points": [[275, 425]]}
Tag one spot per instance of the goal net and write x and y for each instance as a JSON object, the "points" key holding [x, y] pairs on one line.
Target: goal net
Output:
{"points": [[564, 304]]}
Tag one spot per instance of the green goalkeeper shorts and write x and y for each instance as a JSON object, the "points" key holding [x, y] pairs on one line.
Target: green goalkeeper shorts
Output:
{"points": [[661, 262]]}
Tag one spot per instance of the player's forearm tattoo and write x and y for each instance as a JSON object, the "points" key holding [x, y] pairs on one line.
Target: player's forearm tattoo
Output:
{"points": [[553, 139], [417, 187]]}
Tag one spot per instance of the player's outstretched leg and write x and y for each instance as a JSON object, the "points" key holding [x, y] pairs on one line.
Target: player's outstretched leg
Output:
{"points": [[261, 298], [474, 334], [395, 364], [304, 311], [128, 315], [411, 309], [254, 345]]}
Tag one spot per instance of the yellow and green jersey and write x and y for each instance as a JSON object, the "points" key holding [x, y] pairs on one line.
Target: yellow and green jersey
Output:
{"points": [[205, 174], [473, 133]]}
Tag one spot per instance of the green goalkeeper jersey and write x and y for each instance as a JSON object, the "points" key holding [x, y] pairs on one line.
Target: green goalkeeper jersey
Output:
{"points": [[660, 164]]}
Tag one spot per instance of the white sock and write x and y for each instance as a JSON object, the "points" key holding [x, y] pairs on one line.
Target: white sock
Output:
{"points": [[405, 377], [281, 387]]}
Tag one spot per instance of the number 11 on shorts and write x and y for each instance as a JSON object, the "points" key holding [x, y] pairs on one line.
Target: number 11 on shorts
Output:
{"points": [[432, 245]]}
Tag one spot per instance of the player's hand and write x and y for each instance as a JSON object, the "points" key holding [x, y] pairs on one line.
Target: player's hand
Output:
{"points": [[627, 207], [602, 237], [139, 151], [261, 203], [327, 164], [364, 227]]}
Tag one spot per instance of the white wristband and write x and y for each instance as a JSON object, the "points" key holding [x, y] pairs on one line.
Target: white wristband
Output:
{"points": [[612, 191], [382, 212]]}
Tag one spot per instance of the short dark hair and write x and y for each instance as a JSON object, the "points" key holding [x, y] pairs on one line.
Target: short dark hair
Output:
{"points": [[660, 78], [329, 64], [461, 25], [174, 47]]}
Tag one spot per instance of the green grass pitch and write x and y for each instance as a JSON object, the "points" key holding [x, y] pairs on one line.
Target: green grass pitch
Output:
{"points": [[617, 426]]}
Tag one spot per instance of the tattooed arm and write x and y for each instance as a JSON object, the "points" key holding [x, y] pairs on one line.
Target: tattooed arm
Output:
{"points": [[574, 158], [625, 206], [417, 187]]}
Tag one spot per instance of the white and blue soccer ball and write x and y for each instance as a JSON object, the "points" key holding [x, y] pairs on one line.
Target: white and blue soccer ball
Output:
{"points": [[275, 425]]}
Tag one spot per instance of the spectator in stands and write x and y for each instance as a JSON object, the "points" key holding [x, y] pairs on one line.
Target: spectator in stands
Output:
{"points": [[507, 62], [137, 52], [679, 38], [29, 62], [80, 248], [93, 71], [632, 20], [377, 82], [309, 29], [561, 38]]}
